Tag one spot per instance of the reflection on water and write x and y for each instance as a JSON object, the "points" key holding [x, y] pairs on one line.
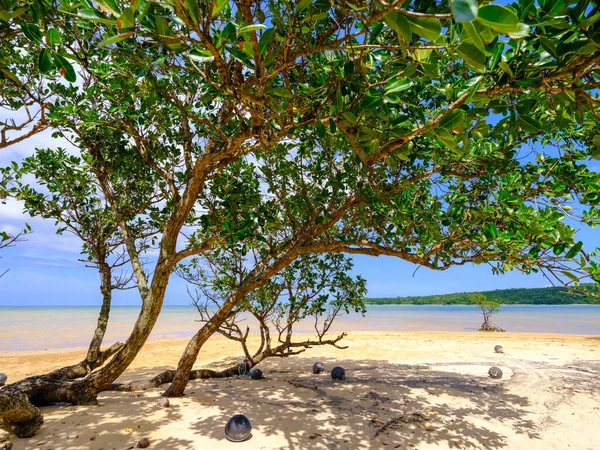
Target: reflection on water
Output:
{"points": [[40, 328]]}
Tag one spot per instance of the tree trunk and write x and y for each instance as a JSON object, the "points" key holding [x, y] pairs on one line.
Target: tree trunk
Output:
{"points": [[257, 277], [190, 354], [17, 400], [106, 289]]}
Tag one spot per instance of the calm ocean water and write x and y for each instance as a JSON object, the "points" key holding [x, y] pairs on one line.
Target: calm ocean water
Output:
{"points": [[41, 328]]}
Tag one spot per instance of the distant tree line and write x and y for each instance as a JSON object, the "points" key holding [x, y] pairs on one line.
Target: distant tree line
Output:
{"points": [[534, 296]]}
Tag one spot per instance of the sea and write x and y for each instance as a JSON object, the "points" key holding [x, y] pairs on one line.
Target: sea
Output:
{"points": [[52, 327]]}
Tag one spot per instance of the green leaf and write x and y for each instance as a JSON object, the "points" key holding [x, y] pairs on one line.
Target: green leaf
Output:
{"points": [[339, 100], [265, 40], [109, 6], [218, 6], [11, 76], [241, 56], [248, 28], [506, 68], [399, 24], [530, 124], [472, 55], [53, 36], [44, 61], [350, 117], [114, 39], [574, 251], [453, 120], [446, 138], [193, 9], [127, 19], [282, 92], [92, 14], [498, 18], [32, 31], [474, 35], [570, 275], [429, 28], [303, 4], [464, 10], [199, 57], [597, 141], [496, 55], [398, 86], [523, 30], [321, 130], [65, 68]]}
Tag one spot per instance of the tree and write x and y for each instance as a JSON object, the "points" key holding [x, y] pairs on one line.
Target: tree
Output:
{"points": [[9, 239], [436, 135], [24, 93], [488, 309], [76, 205], [315, 288]]}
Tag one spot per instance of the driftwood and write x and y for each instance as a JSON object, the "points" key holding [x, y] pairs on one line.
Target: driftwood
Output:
{"points": [[414, 417], [300, 385]]}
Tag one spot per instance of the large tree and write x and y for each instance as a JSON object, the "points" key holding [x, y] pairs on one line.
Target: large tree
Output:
{"points": [[442, 134]]}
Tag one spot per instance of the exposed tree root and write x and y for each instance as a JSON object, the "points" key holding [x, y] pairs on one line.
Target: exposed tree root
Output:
{"points": [[168, 375], [19, 401]]}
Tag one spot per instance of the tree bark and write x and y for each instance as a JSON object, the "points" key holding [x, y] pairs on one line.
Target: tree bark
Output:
{"points": [[106, 290]]}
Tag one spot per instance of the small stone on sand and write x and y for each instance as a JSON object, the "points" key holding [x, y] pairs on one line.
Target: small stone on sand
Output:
{"points": [[144, 442], [164, 402]]}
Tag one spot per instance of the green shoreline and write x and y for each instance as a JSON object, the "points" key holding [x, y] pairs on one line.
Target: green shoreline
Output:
{"points": [[516, 296]]}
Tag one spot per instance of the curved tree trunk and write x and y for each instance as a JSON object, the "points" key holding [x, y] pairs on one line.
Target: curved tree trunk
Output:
{"points": [[106, 289], [190, 354], [19, 401], [257, 277]]}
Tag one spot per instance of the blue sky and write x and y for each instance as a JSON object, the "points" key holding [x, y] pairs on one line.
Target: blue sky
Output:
{"points": [[44, 269]]}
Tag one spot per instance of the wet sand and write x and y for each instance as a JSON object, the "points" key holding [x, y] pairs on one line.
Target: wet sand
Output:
{"points": [[433, 387]]}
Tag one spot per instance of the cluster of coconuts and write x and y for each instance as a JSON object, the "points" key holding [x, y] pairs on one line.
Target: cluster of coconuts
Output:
{"points": [[239, 428]]}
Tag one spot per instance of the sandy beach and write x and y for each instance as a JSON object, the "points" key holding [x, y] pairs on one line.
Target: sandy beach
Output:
{"points": [[433, 386]]}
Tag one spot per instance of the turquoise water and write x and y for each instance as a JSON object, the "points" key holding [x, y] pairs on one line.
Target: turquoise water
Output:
{"points": [[44, 328]]}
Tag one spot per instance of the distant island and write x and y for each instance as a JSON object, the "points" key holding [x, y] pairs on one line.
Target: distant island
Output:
{"points": [[525, 296]]}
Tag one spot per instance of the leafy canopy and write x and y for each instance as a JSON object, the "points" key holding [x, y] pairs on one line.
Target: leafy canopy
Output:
{"points": [[442, 133]]}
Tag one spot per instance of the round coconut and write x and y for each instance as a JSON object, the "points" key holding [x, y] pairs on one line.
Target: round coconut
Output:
{"points": [[318, 368], [238, 428], [498, 349], [3, 379], [338, 373], [495, 372], [256, 374]]}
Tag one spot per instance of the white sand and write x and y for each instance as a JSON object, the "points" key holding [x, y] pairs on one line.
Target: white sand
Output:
{"points": [[436, 384]]}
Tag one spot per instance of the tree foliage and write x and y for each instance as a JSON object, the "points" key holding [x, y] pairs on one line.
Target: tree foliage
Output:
{"points": [[488, 309], [515, 296]]}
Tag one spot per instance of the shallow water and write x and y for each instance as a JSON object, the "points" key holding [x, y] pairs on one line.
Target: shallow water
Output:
{"points": [[42, 328]]}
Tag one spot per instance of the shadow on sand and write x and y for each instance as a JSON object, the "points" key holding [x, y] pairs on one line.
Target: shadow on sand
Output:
{"points": [[454, 409]]}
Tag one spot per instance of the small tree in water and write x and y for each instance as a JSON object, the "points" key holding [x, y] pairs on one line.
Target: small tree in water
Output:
{"points": [[488, 308]]}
